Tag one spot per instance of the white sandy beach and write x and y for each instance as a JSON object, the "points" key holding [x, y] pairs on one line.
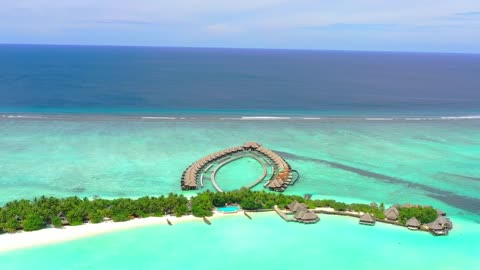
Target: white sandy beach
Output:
{"points": [[19, 240]]}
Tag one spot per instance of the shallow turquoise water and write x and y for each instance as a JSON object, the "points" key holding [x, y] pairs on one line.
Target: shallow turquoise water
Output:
{"points": [[266, 241], [239, 173], [425, 162]]}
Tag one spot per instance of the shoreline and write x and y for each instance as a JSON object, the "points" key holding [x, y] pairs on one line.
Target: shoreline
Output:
{"points": [[49, 236]]}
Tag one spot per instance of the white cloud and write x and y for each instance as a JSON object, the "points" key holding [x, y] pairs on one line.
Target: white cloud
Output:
{"points": [[266, 22], [222, 28]]}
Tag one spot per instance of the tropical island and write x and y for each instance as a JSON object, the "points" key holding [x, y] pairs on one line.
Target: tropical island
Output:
{"points": [[109, 214], [47, 212]]}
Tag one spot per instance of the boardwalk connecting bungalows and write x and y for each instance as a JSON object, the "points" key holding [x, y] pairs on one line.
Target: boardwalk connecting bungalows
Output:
{"points": [[300, 212], [281, 173]]}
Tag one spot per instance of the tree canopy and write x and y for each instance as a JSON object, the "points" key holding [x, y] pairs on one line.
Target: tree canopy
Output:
{"points": [[30, 215]]}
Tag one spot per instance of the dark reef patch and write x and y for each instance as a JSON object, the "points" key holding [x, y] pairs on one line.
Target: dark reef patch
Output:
{"points": [[465, 177], [459, 201], [77, 189]]}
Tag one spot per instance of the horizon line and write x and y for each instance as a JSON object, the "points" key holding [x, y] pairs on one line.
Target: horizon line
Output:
{"points": [[231, 48]]}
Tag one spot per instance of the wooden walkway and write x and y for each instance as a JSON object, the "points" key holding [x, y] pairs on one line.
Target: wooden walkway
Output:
{"points": [[265, 171], [205, 219], [357, 215], [193, 177], [212, 176], [282, 214], [214, 173]]}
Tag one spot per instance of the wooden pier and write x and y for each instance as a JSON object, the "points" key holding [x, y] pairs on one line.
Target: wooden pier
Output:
{"points": [[265, 171], [334, 212], [214, 173], [282, 214], [247, 215], [205, 219]]}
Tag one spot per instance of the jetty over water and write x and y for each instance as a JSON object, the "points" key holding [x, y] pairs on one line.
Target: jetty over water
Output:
{"points": [[277, 173]]}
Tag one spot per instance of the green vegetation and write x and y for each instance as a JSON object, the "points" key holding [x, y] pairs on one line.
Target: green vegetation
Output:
{"points": [[377, 211], [48, 211], [56, 222], [53, 212], [203, 203], [33, 222], [423, 214]]}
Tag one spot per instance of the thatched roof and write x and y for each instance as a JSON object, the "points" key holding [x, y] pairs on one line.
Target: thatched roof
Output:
{"points": [[306, 215], [440, 212], [367, 218], [301, 207], [296, 206], [309, 215], [253, 145], [440, 223], [373, 204], [435, 226], [299, 214], [441, 220], [292, 205], [391, 213], [413, 222], [393, 208], [274, 184]]}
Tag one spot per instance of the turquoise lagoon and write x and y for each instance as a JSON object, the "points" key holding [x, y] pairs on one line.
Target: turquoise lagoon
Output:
{"points": [[391, 161], [265, 242], [240, 173]]}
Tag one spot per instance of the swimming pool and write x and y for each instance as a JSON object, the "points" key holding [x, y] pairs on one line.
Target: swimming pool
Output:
{"points": [[229, 209]]}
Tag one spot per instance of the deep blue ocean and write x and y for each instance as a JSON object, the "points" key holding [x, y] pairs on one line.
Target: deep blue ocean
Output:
{"points": [[131, 80], [359, 127]]}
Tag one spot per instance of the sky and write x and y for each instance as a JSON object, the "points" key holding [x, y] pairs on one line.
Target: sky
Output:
{"points": [[373, 25]]}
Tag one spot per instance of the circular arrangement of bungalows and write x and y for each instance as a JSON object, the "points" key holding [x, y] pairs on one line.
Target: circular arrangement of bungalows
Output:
{"points": [[281, 177]]}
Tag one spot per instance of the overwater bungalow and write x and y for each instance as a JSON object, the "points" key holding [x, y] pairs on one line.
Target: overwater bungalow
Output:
{"points": [[445, 222], [251, 145], [281, 172], [437, 229], [274, 184], [440, 226], [299, 214], [367, 219], [392, 213], [306, 216], [413, 223], [296, 206]]}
